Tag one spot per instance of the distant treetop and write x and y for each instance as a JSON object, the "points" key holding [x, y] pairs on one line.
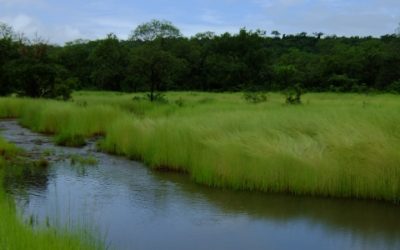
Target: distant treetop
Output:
{"points": [[155, 29], [6, 31]]}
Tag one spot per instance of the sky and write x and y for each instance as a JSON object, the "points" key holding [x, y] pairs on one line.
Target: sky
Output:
{"points": [[59, 21]]}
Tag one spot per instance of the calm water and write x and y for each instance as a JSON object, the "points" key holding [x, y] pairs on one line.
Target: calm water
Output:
{"points": [[136, 208]]}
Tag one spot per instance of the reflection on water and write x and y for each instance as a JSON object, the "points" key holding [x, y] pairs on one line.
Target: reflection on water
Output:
{"points": [[137, 208], [21, 178]]}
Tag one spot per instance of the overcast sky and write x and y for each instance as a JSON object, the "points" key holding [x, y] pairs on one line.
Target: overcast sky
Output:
{"points": [[66, 20]]}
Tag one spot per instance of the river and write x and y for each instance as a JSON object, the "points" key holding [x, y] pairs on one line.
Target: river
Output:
{"points": [[134, 207]]}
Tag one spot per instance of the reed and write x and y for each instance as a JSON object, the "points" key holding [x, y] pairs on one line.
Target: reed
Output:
{"points": [[16, 235], [336, 145]]}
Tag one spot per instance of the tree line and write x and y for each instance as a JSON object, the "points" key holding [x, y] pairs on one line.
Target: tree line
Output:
{"points": [[157, 57]]}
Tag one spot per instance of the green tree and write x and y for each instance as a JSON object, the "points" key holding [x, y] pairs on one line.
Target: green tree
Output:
{"points": [[33, 73], [318, 35], [6, 31], [8, 52], [155, 29], [74, 56], [276, 34], [108, 60], [154, 68], [285, 76]]}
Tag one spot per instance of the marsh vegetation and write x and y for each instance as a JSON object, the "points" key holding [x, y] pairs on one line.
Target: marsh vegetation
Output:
{"points": [[126, 204], [15, 233], [338, 145]]}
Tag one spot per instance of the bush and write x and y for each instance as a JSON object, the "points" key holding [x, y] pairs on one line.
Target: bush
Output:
{"points": [[180, 102], [138, 98], [394, 87], [255, 97], [293, 95], [70, 140], [157, 97], [343, 83]]}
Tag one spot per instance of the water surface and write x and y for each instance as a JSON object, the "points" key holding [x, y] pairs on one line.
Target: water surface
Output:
{"points": [[137, 208]]}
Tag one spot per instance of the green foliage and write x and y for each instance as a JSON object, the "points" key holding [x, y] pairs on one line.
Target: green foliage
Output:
{"points": [[254, 97], [16, 235], [394, 87], [342, 83], [28, 71], [285, 75], [108, 59], [63, 89], [83, 161], [19, 236], [293, 94], [70, 140], [180, 102], [156, 97], [155, 68], [7, 151], [336, 145], [155, 29], [6, 31], [157, 58], [41, 163]]}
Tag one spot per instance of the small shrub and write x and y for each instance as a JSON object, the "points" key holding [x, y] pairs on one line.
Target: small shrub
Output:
{"points": [[342, 83], [360, 88], [81, 160], [70, 140], [48, 152], [62, 91], [255, 97], [82, 103], [157, 97], [206, 100], [41, 163], [394, 87], [180, 102], [293, 95], [138, 98]]}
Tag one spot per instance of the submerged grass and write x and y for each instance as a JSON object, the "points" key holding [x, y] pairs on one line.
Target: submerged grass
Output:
{"points": [[339, 145], [15, 235], [83, 160]]}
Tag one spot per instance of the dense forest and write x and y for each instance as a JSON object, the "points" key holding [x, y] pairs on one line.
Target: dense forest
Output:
{"points": [[157, 57]]}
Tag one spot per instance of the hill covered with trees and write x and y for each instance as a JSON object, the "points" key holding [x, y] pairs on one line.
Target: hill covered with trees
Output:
{"points": [[157, 57]]}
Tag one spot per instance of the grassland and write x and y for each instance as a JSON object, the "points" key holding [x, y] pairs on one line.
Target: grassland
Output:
{"points": [[15, 235], [335, 145]]}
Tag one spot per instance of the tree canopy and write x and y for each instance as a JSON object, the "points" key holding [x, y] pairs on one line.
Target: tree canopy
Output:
{"points": [[155, 29], [157, 57]]}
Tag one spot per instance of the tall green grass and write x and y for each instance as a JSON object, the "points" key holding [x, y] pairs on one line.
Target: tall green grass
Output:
{"points": [[339, 145], [15, 235]]}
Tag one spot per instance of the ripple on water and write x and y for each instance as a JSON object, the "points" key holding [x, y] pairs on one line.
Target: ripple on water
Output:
{"points": [[137, 208]]}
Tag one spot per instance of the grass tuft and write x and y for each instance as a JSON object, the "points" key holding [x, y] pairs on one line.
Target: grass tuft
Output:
{"points": [[16, 235], [334, 145]]}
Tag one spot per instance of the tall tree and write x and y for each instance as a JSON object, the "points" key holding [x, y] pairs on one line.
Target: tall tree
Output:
{"points": [[155, 29], [276, 34], [109, 60], [154, 68], [74, 56], [8, 52]]}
